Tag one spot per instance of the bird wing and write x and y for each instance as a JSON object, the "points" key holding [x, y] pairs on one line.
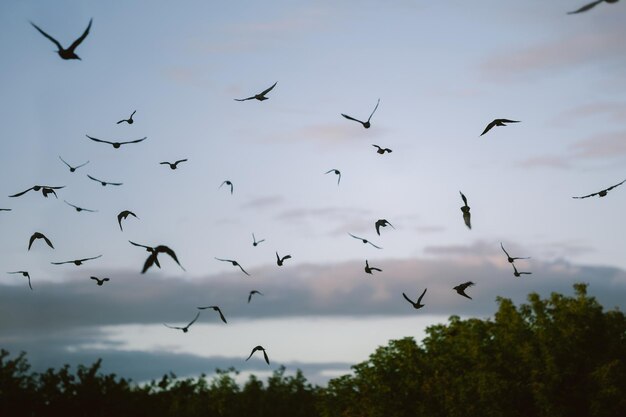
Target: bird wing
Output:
{"points": [[69, 166], [224, 260], [419, 300], [351, 118], [121, 216], [170, 252], [244, 271], [377, 247], [329, 171], [47, 36], [586, 7], [508, 121], [61, 263], [221, 315], [89, 259], [47, 241], [70, 204], [141, 246], [134, 141], [179, 161], [32, 239], [164, 163], [588, 195], [82, 37], [377, 147], [149, 261], [194, 319], [252, 353], [172, 327], [378, 224], [507, 254], [267, 90], [463, 197], [356, 237], [114, 183], [99, 140], [95, 179], [407, 298], [29, 285], [286, 257], [613, 186], [373, 111], [81, 165], [22, 193], [488, 128], [244, 99], [267, 359]]}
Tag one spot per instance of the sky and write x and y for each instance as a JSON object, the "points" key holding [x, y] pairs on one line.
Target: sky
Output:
{"points": [[442, 71]]}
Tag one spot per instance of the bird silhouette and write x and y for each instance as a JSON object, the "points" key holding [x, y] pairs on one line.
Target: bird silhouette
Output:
{"points": [[5, 209], [460, 289], [369, 269], [234, 263], [117, 145], [367, 123], [591, 6], [38, 235], [79, 209], [45, 190], [77, 262], [509, 258], [105, 183], [123, 215], [364, 241], [382, 223], [150, 249], [382, 150], [252, 293], [186, 328], [498, 122], [260, 96], [467, 217], [517, 274], [336, 172], [602, 193], [69, 52], [215, 308], [279, 260], [227, 182], [173, 165], [100, 281], [130, 120], [417, 304], [25, 274], [264, 353], [256, 242], [152, 258], [72, 169]]}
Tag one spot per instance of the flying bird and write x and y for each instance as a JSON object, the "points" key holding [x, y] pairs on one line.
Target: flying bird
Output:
{"points": [[72, 169], [215, 308], [460, 289], [517, 274], [417, 304], [264, 353], [69, 52], [509, 258], [336, 172], [369, 269], [25, 274], [367, 123], [173, 165], [45, 190], [79, 209], [279, 260], [150, 249], [100, 281], [123, 215], [252, 293], [260, 96], [186, 328], [364, 241], [591, 6], [602, 193], [234, 263], [498, 122], [467, 217], [152, 258], [382, 150], [38, 235], [116, 145], [256, 242], [77, 262], [105, 183], [130, 120], [382, 223], [227, 182]]}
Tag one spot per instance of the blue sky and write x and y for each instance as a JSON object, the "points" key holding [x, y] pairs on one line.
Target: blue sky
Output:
{"points": [[442, 71]]}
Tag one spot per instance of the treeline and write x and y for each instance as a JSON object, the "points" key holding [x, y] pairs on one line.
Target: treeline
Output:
{"points": [[555, 357]]}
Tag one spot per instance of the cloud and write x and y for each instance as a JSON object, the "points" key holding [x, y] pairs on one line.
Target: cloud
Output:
{"points": [[326, 133], [261, 203], [613, 111]]}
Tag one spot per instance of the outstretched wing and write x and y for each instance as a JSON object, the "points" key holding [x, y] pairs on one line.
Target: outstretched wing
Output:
{"points": [[463, 197], [351, 118], [488, 128], [151, 259], [99, 140], [507, 254], [221, 315], [244, 271], [244, 99], [47, 241], [377, 247], [616, 185], [22, 193], [419, 300], [586, 7], [407, 298], [179, 161], [267, 359], [82, 37], [589, 195], [47, 36], [374, 111], [267, 90], [171, 253], [89, 259], [194, 319], [134, 141]]}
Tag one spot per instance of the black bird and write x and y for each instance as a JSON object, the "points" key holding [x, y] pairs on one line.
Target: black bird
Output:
{"points": [[517, 274], [3, 209], [336, 172], [69, 52], [260, 96], [100, 281], [509, 258], [382, 150], [104, 183], [77, 262], [215, 308], [602, 193], [367, 123], [256, 242], [252, 293], [152, 259], [116, 145], [369, 269], [79, 209], [186, 328], [123, 215], [418, 304], [498, 122], [72, 169], [591, 6], [364, 241], [24, 273], [460, 289], [38, 235], [150, 249], [467, 217], [45, 190], [382, 223], [227, 182], [264, 353], [235, 263], [279, 260], [173, 165], [130, 120]]}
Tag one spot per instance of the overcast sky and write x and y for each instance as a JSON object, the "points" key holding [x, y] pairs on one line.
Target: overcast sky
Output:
{"points": [[442, 71]]}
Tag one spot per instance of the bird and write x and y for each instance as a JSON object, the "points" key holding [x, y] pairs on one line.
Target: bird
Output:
{"points": [[123, 215], [418, 304], [45, 190], [256, 242], [38, 235], [173, 165], [77, 262], [252, 293], [467, 217], [186, 328], [382, 223], [517, 274], [152, 258], [215, 308], [72, 169], [460, 289], [69, 52], [264, 353], [130, 120], [509, 258], [5, 209], [100, 281], [382, 150], [24, 273], [591, 6], [234, 263], [364, 241], [336, 172], [260, 96], [367, 123], [279, 260], [79, 209], [229, 183], [105, 183], [150, 249], [602, 193], [117, 145], [498, 122], [369, 269]]}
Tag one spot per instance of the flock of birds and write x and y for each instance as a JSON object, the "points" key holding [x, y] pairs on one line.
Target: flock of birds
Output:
{"points": [[152, 259]]}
